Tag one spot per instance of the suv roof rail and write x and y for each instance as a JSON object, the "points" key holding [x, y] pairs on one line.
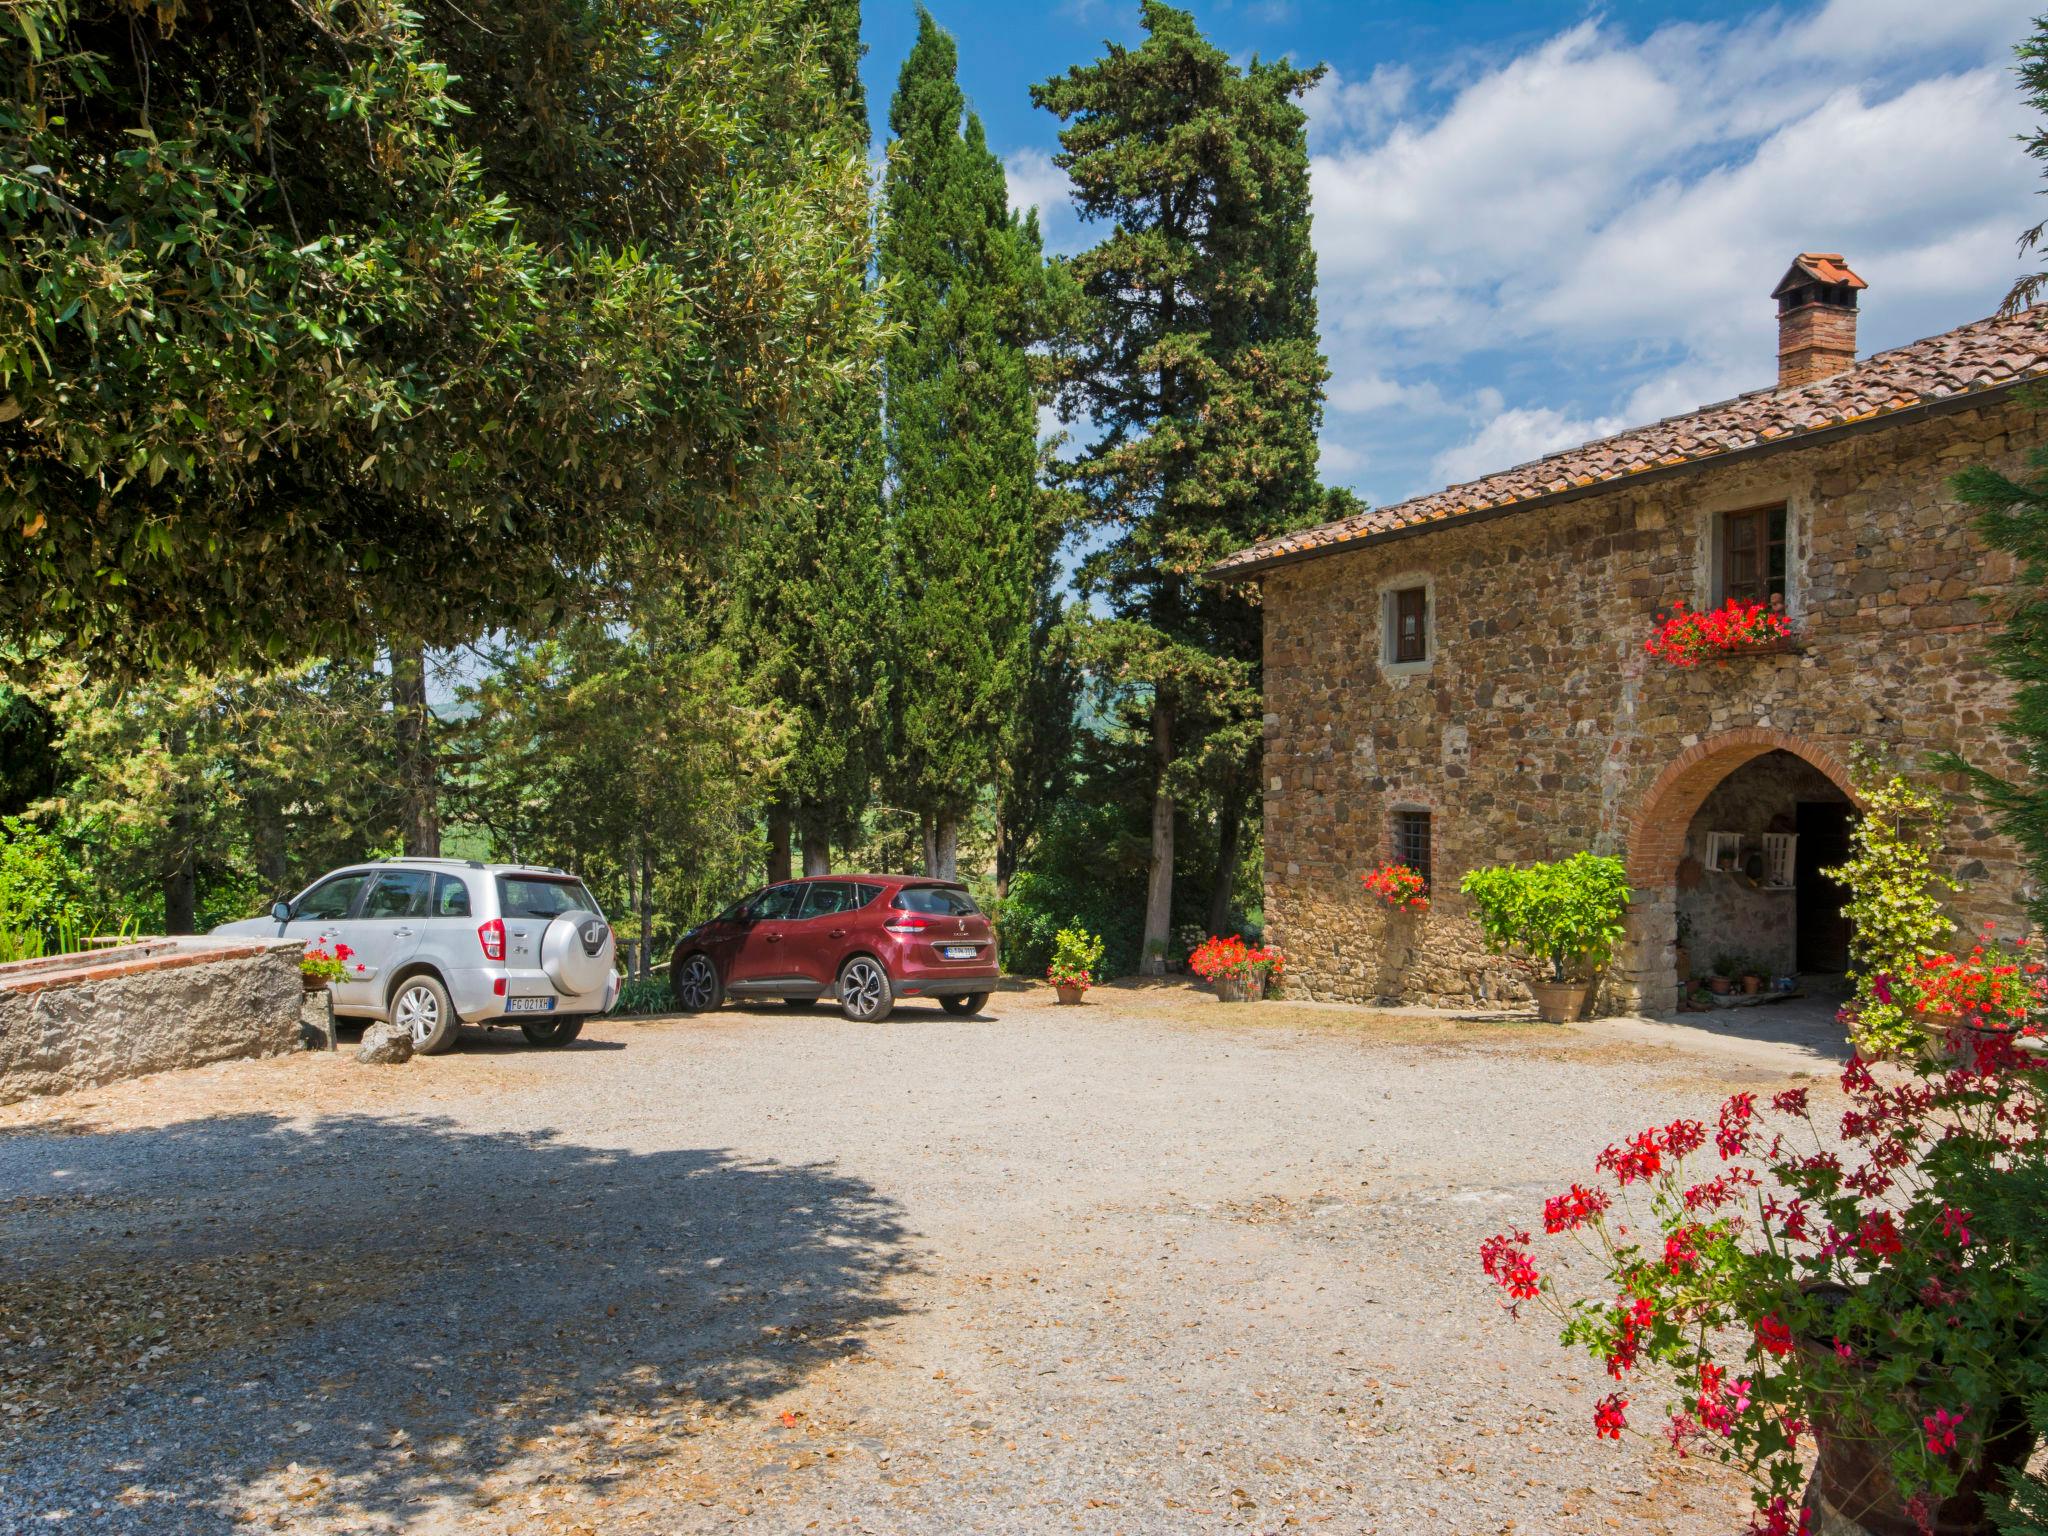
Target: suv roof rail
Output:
{"points": [[430, 858]]}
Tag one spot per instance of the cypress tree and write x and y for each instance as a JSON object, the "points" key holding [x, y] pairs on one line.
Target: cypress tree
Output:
{"points": [[963, 277], [811, 576], [1198, 365]]}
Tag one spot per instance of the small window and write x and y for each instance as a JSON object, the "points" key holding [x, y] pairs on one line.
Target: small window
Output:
{"points": [[1753, 555], [542, 896], [399, 893], [1408, 625], [1411, 841], [935, 900], [451, 896]]}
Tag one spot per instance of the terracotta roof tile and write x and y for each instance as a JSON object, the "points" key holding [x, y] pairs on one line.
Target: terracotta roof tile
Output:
{"points": [[1991, 354]]}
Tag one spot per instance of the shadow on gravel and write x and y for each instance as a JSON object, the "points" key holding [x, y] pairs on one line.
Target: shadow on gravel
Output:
{"points": [[355, 1317]]}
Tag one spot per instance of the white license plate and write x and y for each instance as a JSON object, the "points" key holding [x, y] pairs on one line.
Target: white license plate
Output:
{"points": [[528, 1004], [958, 951]]}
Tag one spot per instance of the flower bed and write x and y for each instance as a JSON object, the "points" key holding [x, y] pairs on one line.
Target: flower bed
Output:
{"points": [[1399, 887], [1237, 970], [1688, 636]]}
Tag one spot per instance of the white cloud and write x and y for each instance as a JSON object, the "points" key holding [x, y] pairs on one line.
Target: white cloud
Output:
{"points": [[1035, 182], [1515, 437], [1600, 218]]}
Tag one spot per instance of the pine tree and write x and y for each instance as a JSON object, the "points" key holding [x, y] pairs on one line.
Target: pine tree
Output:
{"points": [[963, 283], [810, 580], [1198, 365]]}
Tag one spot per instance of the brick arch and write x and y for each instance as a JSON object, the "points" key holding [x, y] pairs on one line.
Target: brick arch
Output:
{"points": [[1656, 838]]}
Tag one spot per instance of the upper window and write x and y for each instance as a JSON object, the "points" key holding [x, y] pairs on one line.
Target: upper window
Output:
{"points": [[1406, 625], [1412, 841], [935, 900], [1752, 551], [332, 898], [399, 893]]}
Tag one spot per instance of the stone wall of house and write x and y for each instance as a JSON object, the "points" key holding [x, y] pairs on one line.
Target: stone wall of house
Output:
{"points": [[147, 1007], [1540, 726]]}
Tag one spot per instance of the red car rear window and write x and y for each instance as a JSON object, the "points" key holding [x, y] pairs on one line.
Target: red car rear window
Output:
{"points": [[936, 900]]}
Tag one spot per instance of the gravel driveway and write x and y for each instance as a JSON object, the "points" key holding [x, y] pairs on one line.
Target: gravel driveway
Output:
{"points": [[1151, 1265]]}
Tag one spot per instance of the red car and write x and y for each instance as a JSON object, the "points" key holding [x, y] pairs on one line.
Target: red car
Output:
{"points": [[863, 940]]}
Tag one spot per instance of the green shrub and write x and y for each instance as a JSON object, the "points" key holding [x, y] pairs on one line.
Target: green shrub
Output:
{"points": [[645, 994], [1076, 958], [1562, 919]]}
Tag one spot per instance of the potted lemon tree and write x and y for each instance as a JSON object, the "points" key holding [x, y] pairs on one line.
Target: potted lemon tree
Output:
{"points": [[1559, 922], [1076, 953]]}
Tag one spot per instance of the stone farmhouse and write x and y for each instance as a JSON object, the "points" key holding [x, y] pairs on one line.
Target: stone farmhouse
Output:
{"points": [[1462, 679]]}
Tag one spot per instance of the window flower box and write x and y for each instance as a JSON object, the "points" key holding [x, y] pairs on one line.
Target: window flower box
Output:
{"points": [[1686, 637], [1400, 886]]}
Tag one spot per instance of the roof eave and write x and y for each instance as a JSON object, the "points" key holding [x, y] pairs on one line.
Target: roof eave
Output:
{"points": [[1916, 412]]}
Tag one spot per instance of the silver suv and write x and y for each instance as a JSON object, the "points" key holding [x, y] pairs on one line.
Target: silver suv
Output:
{"points": [[438, 943]]}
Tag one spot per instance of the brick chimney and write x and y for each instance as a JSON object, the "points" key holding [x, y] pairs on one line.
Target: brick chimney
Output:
{"points": [[1816, 318]]}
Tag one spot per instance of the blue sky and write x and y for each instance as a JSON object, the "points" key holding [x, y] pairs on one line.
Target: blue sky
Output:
{"points": [[1537, 223]]}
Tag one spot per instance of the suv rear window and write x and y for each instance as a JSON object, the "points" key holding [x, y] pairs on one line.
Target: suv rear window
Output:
{"points": [[936, 900], [542, 895]]}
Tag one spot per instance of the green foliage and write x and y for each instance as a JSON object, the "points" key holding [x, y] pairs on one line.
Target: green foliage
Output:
{"points": [[1192, 352], [1563, 918], [1895, 914], [318, 319], [644, 995], [2032, 53], [43, 886], [1088, 873]]}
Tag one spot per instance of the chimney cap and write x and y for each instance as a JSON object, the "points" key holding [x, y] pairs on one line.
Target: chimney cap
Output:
{"points": [[1816, 267]]}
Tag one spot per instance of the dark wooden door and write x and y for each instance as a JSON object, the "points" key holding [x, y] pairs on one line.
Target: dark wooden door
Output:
{"points": [[1823, 940]]}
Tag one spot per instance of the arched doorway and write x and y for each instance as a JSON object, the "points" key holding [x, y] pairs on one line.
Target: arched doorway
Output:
{"points": [[1709, 859]]}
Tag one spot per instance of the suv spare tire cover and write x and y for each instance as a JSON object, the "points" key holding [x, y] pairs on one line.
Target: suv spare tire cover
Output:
{"points": [[576, 953]]}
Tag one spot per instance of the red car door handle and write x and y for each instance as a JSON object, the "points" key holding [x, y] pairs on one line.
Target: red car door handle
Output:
{"points": [[774, 938], [837, 933]]}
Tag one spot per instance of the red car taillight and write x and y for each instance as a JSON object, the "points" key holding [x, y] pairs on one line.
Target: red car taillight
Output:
{"points": [[906, 924], [492, 936]]}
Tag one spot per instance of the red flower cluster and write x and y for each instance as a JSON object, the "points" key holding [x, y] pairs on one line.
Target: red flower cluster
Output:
{"points": [[1608, 1419], [1505, 1259], [1399, 887], [1989, 988], [1572, 1209], [1233, 957], [1941, 1430], [1689, 636], [1772, 1336]]}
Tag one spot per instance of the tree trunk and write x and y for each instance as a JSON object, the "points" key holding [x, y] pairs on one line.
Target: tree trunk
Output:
{"points": [[267, 840], [645, 957], [1159, 884], [928, 827], [778, 842], [817, 852], [419, 810], [945, 861], [1006, 856], [1229, 837], [181, 895]]}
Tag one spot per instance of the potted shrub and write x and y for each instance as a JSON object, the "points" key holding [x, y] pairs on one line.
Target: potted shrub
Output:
{"points": [[319, 968], [1722, 981], [1559, 922], [1239, 972], [1685, 637], [1752, 974], [1075, 954], [1399, 886], [1860, 1287]]}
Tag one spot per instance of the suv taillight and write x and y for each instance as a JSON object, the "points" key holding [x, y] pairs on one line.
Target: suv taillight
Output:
{"points": [[492, 936], [905, 923]]}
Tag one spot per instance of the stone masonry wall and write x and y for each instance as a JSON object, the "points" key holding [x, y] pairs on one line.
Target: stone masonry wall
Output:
{"points": [[1540, 726], [121, 1015]]}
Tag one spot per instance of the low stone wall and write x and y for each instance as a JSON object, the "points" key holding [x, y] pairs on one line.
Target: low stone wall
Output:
{"points": [[73, 1021]]}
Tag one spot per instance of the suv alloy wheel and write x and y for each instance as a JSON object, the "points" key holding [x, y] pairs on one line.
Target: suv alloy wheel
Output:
{"points": [[696, 986], [421, 1008], [865, 995]]}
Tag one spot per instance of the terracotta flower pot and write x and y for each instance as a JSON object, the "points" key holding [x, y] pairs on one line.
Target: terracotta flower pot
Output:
{"points": [[1851, 1489], [1720, 986], [1752, 984], [1069, 995], [1955, 1039], [312, 983], [1559, 1002], [1239, 989]]}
